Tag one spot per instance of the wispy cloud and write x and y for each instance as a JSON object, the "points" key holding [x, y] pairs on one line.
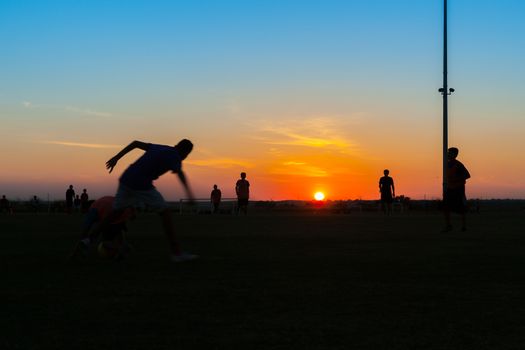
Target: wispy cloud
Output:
{"points": [[299, 169], [79, 144], [67, 108], [87, 111], [222, 163], [323, 132]]}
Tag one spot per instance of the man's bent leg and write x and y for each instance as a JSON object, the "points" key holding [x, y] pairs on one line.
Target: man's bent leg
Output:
{"points": [[169, 230]]}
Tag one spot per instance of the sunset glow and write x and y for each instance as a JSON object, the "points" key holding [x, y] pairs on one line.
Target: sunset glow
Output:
{"points": [[319, 196]]}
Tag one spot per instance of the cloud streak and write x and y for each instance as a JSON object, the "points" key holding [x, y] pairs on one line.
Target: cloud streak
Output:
{"points": [[294, 163], [87, 111], [222, 163], [79, 144], [313, 133], [300, 169]]}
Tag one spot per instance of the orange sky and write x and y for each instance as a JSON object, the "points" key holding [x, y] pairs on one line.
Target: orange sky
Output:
{"points": [[285, 159], [303, 96]]}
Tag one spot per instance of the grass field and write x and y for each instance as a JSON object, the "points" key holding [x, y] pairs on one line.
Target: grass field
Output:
{"points": [[269, 282]]}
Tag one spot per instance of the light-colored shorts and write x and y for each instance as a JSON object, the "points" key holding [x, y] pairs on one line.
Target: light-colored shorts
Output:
{"points": [[127, 197]]}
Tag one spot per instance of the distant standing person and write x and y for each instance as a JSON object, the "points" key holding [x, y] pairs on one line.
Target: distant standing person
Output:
{"points": [[136, 188], [242, 189], [77, 203], [388, 192], [35, 204], [84, 201], [70, 196], [5, 205], [215, 198], [454, 199]]}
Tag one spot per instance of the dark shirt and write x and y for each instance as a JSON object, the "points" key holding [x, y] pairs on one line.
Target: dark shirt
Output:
{"points": [[457, 174], [4, 203], [216, 196], [385, 184], [70, 194], [242, 188], [156, 161]]}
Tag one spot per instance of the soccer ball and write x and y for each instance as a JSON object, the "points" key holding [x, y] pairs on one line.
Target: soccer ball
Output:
{"points": [[107, 249]]}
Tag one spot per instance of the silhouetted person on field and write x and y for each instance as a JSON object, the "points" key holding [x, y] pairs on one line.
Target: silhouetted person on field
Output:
{"points": [[388, 192], [35, 204], [215, 198], [136, 187], [77, 203], [70, 197], [454, 199], [5, 205], [242, 189], [84, 201]]}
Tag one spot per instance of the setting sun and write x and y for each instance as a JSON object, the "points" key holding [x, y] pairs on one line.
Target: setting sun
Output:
{"points": [[319, 196]]}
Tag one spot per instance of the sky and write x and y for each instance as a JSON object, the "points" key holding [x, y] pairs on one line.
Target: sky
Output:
{"points": [[302, 95]]}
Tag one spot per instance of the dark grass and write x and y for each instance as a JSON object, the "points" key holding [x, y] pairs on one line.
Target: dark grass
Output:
{"points": [[269, 282]]}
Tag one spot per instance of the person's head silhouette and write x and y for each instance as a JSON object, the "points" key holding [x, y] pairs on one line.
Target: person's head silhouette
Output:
{"points": [[70, 187], [184, 147], [452, 153], [386, 172], [243, 175], [214, 187]]}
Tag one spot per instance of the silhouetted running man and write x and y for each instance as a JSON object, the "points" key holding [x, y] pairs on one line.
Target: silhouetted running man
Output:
{"points": [[70, 196], [215, 198], [242, 189], [455, 199], [136, 187], [388, 192]]}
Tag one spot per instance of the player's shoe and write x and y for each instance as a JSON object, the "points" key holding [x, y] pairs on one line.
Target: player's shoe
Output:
{"points": [[183, 257]]}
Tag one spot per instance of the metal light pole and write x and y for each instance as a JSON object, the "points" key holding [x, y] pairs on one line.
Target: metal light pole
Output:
{"points": [[445, 91]]}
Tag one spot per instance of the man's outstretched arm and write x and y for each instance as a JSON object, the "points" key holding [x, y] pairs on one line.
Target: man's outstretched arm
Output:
{"points": [[110, 164], [184, 181]]}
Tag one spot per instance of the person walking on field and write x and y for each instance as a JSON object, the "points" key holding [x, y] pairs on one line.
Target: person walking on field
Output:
{"points": [[84, 201], [388, 192], [77, 203], [5, 205], [70, 196], [454, 199], [136, 187], [215, 198], [35, 204], [242, 189]]}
